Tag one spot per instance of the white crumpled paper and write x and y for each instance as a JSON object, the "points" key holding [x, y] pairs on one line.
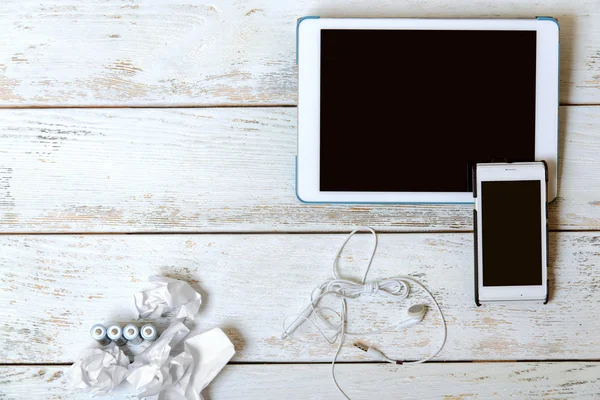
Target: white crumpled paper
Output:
{"points": [[168, 294], [205, 356], [150, 370], [155, 374], [99, 371], [182, 377]]}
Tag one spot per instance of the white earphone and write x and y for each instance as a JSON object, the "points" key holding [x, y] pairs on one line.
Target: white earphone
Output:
{"points": [[415, 314], [346, 289]]}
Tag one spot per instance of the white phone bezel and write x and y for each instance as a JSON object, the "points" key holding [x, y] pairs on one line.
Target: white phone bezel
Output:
{"points": [[309, 56], [511, 172]]}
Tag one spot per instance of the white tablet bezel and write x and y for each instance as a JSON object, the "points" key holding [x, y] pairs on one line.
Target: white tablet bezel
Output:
{"points": [[511, 172], [309, 56]]}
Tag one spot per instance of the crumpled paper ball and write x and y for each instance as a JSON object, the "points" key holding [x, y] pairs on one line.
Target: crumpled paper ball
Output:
{"points": [[167, 295], [99, 370], [150, 370], [185, 376]]}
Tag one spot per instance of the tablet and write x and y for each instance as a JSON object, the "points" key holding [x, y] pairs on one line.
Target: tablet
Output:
{"points": [[399, 110]]}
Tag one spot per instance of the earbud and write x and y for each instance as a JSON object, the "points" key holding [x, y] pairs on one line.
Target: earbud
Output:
{"points": [[417, 311], [415, 316]]}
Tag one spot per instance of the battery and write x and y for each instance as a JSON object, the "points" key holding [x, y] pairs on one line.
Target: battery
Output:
{"points": [[98, 333], [148, 332], [115, 333], [132, 334]]}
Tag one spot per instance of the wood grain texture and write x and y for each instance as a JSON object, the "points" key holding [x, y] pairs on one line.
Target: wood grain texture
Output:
{"points": [[165, 53], [448, 381], [219, 170], [55, 288]]}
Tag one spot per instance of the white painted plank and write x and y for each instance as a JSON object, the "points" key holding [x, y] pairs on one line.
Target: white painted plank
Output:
{"points": [[161, 52], [225, 170], [54, 288], [448, 381]]}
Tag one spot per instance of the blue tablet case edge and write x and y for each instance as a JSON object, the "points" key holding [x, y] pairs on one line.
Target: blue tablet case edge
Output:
{"points": [[298, 26], [546, 18]]}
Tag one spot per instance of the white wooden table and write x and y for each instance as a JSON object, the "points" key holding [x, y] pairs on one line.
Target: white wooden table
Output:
{"points": [[158, 137]]}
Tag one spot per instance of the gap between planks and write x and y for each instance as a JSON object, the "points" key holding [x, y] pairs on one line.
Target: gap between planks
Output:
{"points": [[563, 361], [200, 106], [239, 233], [341, 232], [174, 106]]}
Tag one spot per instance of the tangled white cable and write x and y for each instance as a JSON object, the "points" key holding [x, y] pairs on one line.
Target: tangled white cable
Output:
{"points": [[346, 289]]}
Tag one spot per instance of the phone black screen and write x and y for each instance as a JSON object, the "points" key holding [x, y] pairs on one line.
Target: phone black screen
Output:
{"points": [[414, 110], [511, 230]]}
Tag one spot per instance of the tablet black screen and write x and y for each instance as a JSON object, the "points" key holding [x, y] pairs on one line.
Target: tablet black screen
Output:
{"points": [[413, 110]]}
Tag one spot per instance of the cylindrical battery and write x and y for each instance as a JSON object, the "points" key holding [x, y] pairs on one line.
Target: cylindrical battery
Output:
{"points": [[98, 333], [132, 334], [148, 332], [115, 333]]}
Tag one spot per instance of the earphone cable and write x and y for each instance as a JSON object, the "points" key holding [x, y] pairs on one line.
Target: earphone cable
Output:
{"points": [[344, 289]]}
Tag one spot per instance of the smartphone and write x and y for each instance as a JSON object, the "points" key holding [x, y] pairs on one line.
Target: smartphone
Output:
{"points": [[511, 232]]}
